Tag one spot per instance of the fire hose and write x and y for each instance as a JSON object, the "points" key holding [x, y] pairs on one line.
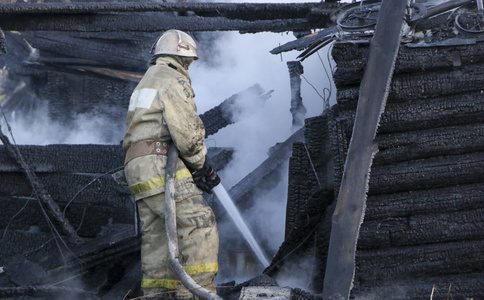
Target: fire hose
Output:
{"points": [[170, 222]]}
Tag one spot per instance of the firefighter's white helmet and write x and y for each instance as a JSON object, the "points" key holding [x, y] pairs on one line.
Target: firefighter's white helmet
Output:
{"points": [[175, 42]]}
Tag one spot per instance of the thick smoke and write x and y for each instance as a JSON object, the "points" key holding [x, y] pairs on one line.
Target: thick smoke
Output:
{"points": [[239, 62]]}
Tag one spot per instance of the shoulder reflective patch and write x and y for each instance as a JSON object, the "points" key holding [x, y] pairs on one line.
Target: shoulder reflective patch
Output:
{"points": [[142, 98]]}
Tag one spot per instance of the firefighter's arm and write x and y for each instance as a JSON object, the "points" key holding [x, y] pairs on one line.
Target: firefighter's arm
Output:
{"points": [[185, 126]]}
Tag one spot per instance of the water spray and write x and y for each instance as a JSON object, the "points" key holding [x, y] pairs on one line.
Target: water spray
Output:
{"points": [[234, 213]]}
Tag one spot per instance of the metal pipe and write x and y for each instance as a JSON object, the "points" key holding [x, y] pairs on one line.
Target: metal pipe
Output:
{"points": [[170, 222], [479, 5]]}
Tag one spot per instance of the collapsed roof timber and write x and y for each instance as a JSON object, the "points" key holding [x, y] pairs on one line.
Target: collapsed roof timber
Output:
{"points": [[147, 17], [423, 226]]}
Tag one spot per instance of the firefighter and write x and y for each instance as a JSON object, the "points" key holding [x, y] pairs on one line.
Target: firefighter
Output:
{"points": [[163, 114]]}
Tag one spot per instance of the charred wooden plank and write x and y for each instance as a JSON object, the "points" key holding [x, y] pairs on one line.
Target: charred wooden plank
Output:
{"points": [[249, 17], [351, 59], [306, 40], [219, 158], [434, 227], [88, 219], [407, 203], [116, 244], [223, 114], [131, 52], [423, 113], [318, 138], [63, 158], [246, 11], [435, 172], [465, 79], [349, 211], [151, 22], [421, 261], [302, 184], [69, 188], [31, 243], [429, 143], [440, 228]]}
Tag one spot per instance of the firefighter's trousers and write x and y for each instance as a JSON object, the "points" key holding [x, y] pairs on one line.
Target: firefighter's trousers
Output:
{"points": [[197, 240]]}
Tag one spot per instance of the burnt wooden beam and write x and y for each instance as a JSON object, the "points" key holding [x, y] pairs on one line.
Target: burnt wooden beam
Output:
{"points": [[351, 203], [307, 40], [351, 59], [425, 113], [429, 84], [222, 115], [421, 260], [425, 202], [438, 171], [431, 228], [440, 141], [150, 23], [298, 110], [97, 17], [247, 11]]}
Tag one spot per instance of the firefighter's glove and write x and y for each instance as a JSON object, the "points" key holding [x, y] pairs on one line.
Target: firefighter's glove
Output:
{"points": [[206, 178]]}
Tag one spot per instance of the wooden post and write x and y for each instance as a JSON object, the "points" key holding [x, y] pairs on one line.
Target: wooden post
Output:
{"points": [[298, 110], [350, 208]]}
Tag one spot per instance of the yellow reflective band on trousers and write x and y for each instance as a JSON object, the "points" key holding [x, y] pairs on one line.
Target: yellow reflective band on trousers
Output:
{"points": [[159, 283], [202, 268], [172, 283], [157, 182]]}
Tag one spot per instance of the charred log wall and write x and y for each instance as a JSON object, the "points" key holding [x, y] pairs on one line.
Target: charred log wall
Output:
{"points": [[78, 178], [431, 152], [424, 219]]}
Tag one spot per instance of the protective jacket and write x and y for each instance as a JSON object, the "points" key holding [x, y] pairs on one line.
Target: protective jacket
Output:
{"points": [[162, 108]]}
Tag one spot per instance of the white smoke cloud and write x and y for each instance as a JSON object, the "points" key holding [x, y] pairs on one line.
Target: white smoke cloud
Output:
{"points": [[240, 62], [36, 128]]}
